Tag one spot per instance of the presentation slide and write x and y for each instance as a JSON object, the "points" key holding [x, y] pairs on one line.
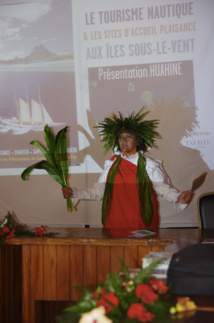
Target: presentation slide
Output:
{"points": [[74, 62]]}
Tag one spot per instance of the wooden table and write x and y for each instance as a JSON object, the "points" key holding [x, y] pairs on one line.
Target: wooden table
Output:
{"points": [[47, 269]]}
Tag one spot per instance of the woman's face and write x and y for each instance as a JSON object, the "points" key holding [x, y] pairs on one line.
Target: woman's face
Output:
{"points": [[127, 143]]}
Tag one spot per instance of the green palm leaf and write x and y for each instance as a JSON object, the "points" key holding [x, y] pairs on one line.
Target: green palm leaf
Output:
{"points": [[49, 139], [145, 274], [56, 163], [61, 156], [49, 168], [46, 153]]}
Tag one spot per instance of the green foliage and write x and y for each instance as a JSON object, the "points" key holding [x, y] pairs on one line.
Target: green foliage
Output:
{"points": [[144, 275], [56, 163]]}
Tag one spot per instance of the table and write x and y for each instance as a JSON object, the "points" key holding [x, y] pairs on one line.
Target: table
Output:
{"points": [[47, 269]]}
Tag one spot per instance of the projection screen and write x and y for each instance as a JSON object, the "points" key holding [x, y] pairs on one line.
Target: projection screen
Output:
{"points": [[74, 62]]}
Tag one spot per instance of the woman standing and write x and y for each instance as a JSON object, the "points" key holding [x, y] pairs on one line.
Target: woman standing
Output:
{"points": [[130, 181]]}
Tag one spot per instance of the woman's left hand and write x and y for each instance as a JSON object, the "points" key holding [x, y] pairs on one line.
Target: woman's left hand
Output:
{"points": [[185, 197]]}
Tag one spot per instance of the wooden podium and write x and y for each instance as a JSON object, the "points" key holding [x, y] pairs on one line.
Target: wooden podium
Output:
{"points": [[48, 269]]}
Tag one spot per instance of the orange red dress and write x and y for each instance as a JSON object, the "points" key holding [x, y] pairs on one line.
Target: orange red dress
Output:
{"points": [[125, 211]]}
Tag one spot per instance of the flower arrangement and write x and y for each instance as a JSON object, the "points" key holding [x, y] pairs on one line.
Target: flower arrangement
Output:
{"points": [[10, 228], [123, 298]]}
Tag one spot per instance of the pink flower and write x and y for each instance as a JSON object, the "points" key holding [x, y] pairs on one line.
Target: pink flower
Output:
{"points": [[146, 293], [158, 286], [4, 231], [139, 312], [107, 298], [11, 235], [97, 292], [40, 231]]}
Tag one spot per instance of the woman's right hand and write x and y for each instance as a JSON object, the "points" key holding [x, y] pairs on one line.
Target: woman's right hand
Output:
{"points": [[67, 192]]}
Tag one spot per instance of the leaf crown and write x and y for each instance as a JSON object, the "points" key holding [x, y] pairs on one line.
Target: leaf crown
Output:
{"points": [[111, 127]]}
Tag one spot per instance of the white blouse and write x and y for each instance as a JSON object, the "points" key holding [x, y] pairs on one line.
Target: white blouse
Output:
{"points": [[156, 173]]}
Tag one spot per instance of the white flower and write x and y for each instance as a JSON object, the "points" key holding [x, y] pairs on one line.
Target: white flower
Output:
{"points": [[129, 286], [97, 315]]}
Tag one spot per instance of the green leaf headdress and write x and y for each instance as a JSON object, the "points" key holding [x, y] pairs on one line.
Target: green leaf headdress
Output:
{"points": [[110, 129]]}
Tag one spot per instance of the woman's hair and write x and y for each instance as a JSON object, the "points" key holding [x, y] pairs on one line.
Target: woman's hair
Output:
{"points": [[141, 145]]}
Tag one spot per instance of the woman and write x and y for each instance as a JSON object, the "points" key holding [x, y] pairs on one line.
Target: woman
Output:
{"points": [[131, 181]]}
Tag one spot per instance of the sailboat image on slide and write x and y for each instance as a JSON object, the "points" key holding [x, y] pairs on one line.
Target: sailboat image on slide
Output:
{"points": [[32, 115]]}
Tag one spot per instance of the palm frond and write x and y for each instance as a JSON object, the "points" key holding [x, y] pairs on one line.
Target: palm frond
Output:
{"points": [[56, 163]]}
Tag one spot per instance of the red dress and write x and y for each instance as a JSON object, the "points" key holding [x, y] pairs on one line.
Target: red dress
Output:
{"points": [[125, 211]]}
